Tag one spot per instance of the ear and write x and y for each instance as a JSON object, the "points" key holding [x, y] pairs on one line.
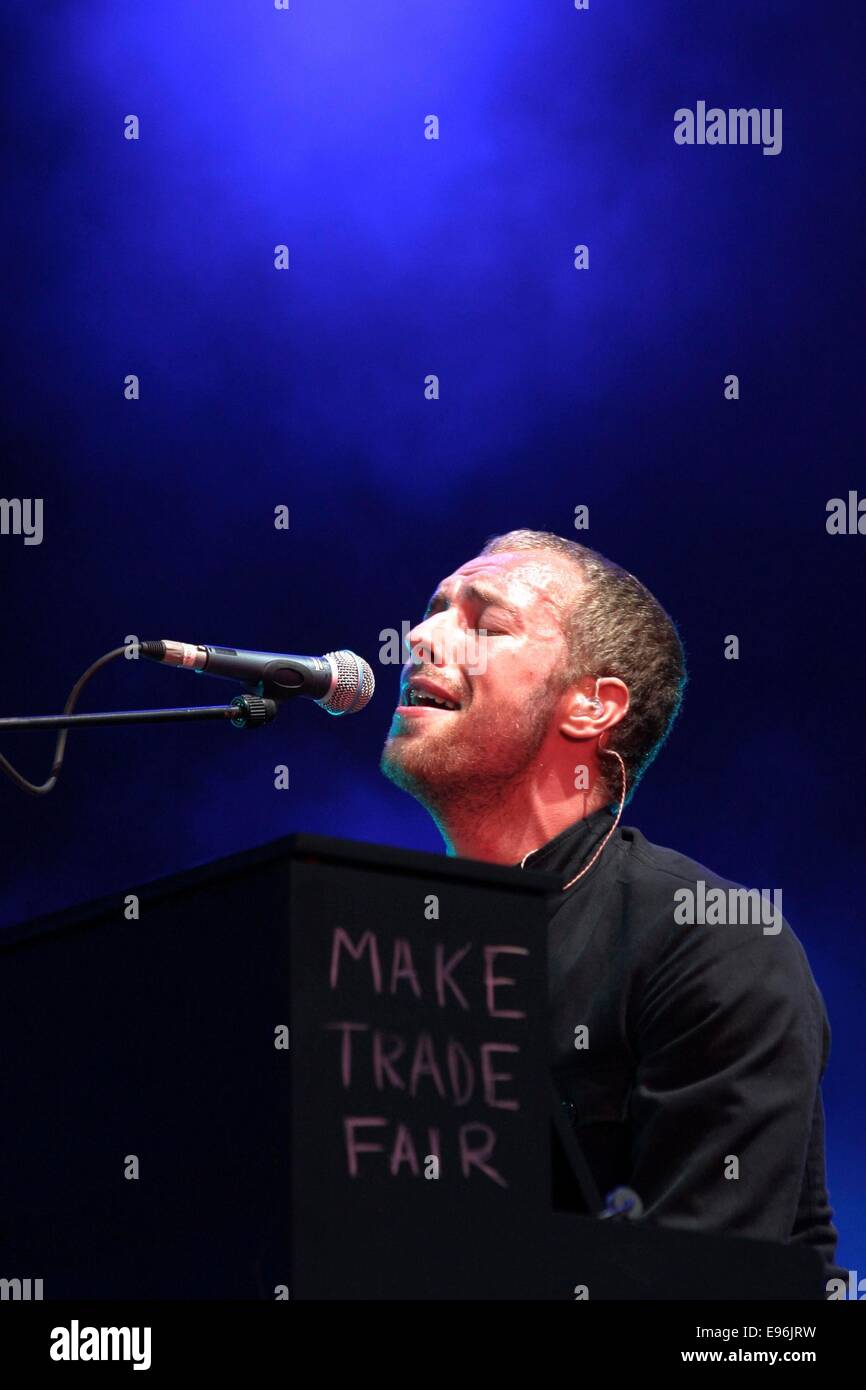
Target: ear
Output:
{"points": [[583, 718]]}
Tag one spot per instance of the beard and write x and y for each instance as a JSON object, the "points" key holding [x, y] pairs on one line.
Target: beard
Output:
{"points": [[473, 759]]}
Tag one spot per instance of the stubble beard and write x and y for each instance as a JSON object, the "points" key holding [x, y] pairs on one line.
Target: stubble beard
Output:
{"points": [[473, 768]]}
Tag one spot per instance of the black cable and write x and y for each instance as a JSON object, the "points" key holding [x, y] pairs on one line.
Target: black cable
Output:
{"points": [[60, 745]]}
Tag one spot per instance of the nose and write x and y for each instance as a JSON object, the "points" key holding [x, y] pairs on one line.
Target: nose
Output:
{"points": [[426, 642]]}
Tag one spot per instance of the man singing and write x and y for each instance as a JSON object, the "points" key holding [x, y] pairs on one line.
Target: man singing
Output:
{"points": [[542, 682]]}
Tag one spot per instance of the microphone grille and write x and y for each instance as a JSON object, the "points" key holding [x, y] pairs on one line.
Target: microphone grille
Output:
{"points": [[353, 685]]}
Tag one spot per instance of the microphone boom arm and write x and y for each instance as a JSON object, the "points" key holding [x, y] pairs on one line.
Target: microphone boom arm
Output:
{"points": [[244, 712]]}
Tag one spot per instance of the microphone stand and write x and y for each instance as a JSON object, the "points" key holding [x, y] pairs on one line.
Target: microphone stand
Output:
{"points": [[244, 712]]}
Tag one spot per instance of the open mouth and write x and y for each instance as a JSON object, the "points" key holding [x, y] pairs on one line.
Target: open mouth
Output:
{"points": [[421, 700], [422, 693]]}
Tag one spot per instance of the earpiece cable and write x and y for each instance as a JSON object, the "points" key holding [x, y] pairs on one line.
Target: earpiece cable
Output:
{"points": [[611, 753]]}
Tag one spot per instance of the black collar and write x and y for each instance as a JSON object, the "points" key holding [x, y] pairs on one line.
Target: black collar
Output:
{"points": [[573, 847]]}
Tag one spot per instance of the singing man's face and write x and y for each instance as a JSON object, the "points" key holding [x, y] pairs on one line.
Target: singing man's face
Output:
{"points": [[506, 685]]}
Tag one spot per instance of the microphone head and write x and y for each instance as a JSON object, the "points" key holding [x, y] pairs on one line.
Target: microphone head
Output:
{"points": [[353, 684]]}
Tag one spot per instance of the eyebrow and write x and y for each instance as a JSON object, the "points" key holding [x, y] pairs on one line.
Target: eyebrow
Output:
{"points": [[476, 593]]}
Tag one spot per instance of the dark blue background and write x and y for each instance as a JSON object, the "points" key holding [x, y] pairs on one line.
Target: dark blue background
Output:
{"points": [[558, 388]]}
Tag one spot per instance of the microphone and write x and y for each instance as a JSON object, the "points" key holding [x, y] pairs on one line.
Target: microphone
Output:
{"points": [[341, 682]]}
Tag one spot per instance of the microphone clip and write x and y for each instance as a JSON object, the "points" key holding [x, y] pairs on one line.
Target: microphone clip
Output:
{"points": [[253, 711]]}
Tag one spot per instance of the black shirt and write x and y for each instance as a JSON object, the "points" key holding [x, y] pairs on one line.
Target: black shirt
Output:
{"points": [[704, 1050]]}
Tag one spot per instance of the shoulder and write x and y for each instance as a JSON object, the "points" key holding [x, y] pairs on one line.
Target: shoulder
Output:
{"points": [[658, 865], [716, 935], [666, 880]]}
